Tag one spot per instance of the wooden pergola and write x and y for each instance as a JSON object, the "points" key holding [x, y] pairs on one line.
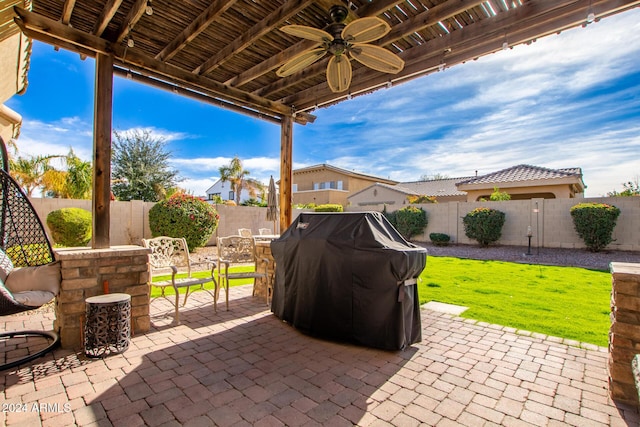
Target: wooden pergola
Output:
{"points": [[226, 52]]}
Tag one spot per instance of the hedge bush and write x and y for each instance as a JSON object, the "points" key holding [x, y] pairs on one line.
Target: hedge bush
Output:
{"points": [[182, 215], [329, 208], [409, 221], [439, 239], [484, 225], [594, 223], [70, 226]]}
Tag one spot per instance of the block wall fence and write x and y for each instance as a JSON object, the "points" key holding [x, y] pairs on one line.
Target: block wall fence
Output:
{"points": [[549, 219]]}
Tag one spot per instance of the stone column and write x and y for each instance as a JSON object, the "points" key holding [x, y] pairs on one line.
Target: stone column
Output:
{"points": [[263, 250], [84, 273], [624, 335]]}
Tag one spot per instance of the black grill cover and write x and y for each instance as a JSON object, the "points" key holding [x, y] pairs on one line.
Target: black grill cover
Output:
{"points": [[349, 277]]}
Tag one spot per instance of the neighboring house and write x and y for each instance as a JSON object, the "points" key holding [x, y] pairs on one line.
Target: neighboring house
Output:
{"points": [[526, 182], [395, 196], [322, 184], [225, 191], [15, 52]]}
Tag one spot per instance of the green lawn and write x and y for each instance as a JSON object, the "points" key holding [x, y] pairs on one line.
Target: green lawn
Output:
{"points": [[235, 282], [565, 302]]}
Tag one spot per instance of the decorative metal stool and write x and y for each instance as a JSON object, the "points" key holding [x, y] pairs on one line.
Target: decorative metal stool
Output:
{"points": [[107, 328]]}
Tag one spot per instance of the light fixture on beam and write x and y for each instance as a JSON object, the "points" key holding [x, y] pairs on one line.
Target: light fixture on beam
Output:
{"points": [[148, 10]]}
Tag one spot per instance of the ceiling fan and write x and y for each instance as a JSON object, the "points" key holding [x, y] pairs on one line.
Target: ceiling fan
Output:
{"points": [[343, 41]]}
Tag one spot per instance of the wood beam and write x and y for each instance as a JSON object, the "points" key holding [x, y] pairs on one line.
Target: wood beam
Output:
{"points": [[520, 25], [198, 25], [101, 198], [106, 15], [135, 14], [199, 96], [286, 172], [428, 18], [286, 11], [41, 28], [67, 10]]}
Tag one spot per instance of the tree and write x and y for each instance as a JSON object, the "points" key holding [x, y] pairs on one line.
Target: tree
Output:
{"points": [[30, 172], [631, 188], [434, 177], [235, 174], [499, 196], [140, 167], [73, 183]]}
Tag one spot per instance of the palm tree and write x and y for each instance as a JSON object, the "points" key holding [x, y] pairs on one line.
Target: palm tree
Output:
{"points": [[237, 176], [30, 171]]}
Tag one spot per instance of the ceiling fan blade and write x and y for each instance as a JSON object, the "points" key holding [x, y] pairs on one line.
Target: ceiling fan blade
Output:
{"points": [[365, 30], [377, 57], [308, 33], [339, 73], [301, 61]]}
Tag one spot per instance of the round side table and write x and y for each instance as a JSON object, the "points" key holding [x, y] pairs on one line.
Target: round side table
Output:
{"points": [[107, 328]]}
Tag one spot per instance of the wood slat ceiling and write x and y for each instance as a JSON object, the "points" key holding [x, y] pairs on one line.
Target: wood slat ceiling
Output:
{"points": [[226, 52]]}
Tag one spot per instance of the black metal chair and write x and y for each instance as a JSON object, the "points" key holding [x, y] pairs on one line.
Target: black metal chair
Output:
{"points": [[24, 240]]}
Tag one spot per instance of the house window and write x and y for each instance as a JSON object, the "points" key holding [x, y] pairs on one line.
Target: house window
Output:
{"points": [[294, 187], [213, 196], [316, 186], [232, 195], [339, 185]]}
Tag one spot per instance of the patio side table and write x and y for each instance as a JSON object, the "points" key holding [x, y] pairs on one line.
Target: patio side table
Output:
{"points": [[107, 328]]}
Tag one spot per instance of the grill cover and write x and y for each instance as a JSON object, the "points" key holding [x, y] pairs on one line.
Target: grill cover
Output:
{"points": [[349, 277]]}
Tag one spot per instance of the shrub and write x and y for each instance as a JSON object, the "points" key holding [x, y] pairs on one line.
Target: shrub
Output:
{"points": [[70, 226], [182, 215], [594, 223], [329, 208], [499, 196], [416, 200], [409, 221], [484, 225], [439, 239]]}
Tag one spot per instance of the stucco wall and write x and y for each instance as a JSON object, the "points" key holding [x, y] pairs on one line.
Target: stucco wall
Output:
{"points": [[130, 220], [552, 225]]}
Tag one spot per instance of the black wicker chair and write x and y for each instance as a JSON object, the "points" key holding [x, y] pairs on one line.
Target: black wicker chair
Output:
{"points": [[24, 240]]}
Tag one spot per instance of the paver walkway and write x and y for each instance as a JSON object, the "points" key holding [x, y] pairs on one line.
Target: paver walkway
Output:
{"points": [[246, 367]]}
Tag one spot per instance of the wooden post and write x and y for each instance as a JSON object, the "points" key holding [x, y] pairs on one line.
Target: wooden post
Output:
{"points": [[103, 105], [286, 171]]}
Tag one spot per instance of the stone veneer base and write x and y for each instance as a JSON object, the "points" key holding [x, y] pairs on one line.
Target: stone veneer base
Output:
{"points": [[84, 272]]}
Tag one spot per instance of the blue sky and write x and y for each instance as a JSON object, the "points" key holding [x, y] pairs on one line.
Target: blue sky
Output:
{"points": [[568, 100]]}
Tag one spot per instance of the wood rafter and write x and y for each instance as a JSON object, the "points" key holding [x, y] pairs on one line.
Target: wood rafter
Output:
{"points": [[134, 15], [270, 22], [107, 14], [192, 31], [40, 28], [67, 10]]}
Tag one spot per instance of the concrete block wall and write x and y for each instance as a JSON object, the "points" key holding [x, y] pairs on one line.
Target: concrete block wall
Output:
{"points": [[624, 335], [552, 225], [84, 272]]}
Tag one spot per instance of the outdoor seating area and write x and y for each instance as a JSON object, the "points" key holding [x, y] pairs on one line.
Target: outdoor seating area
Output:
{"points": [[246, 366]]}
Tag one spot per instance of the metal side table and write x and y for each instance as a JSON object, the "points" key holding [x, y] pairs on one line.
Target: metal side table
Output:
{"points": [[107, 328]]}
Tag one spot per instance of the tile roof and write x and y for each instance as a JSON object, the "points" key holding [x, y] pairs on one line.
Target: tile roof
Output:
{"points": [[436, 187], [343, 171], [523, 173]]}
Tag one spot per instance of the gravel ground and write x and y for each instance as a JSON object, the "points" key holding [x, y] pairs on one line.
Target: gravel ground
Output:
{"points": [[546, 256]]}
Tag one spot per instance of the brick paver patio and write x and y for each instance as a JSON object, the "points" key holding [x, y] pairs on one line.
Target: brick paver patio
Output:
{"points": [[246, 367]]}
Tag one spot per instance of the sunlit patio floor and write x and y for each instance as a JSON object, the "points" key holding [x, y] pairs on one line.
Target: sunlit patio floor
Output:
{"points": [[246, 367]]}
